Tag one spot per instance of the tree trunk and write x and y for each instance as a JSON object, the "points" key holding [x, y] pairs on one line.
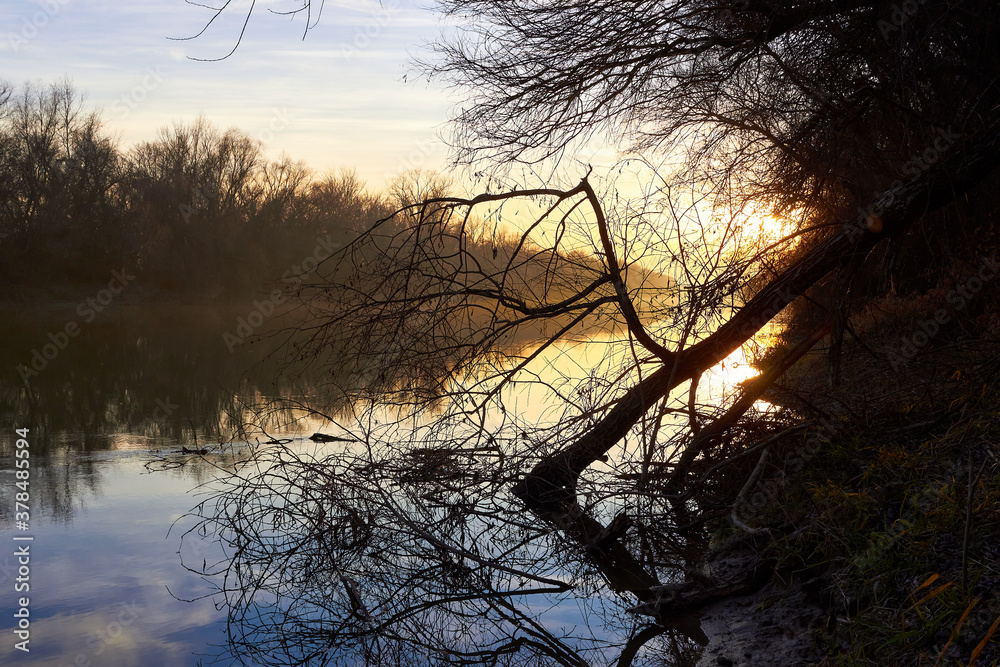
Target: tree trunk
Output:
{"points": [[550, 486]]}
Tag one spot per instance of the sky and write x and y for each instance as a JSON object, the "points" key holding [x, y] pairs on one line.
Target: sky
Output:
{"points": [[335, 99]]}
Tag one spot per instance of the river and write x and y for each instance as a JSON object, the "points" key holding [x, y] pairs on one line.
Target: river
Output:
{"points": [[93, 570]]}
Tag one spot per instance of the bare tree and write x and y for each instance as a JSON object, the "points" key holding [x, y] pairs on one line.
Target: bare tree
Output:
{"points": [[439, 325], [6, 93], [862, 123]]}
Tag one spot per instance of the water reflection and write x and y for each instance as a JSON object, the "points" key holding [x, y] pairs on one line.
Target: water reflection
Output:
{"points": [[103, 571], [409, 553], [158, 371], [129, 389], [406, 545]]}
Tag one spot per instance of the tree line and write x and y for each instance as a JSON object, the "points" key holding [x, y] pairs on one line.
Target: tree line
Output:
{"points": [[195, 210]]}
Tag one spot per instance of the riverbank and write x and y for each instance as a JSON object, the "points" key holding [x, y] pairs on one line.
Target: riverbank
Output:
{"points": [[882, 519]]}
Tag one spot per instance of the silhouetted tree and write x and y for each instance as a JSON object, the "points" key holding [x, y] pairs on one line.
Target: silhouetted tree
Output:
{"points": [[857, 120], [194, 210], [61, 174]]}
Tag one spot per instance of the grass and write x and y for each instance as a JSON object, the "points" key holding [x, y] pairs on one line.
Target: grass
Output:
{"points": [[893, 524]]}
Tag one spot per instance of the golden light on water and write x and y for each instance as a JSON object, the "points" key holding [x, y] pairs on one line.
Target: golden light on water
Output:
{"points": [[735, 368], [726, 376], [721, 383]]}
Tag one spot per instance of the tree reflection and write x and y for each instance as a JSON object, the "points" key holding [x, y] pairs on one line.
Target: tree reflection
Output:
{"points": [[147, 377], [473, 360], [159, 371], [408, 549]]}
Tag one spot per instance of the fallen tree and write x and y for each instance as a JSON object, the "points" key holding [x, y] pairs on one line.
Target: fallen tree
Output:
{"points": [[865, 137]]}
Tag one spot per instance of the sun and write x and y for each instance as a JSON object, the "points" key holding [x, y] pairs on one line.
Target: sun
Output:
{"points": [[768, 227]]}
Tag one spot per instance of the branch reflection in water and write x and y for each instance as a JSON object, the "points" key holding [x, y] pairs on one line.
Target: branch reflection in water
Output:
{"points": [[405, 548], [469, 360]]}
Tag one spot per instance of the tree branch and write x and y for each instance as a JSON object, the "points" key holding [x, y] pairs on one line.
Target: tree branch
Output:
{"points": [[552, 482]]}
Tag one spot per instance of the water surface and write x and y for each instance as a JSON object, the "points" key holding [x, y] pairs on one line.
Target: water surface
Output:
{"points": [[111, 582], [109, 486]]}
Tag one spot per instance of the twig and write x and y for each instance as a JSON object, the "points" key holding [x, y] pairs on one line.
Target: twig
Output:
{"points": [[756, 447], [746, 488], [968, 521]]}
